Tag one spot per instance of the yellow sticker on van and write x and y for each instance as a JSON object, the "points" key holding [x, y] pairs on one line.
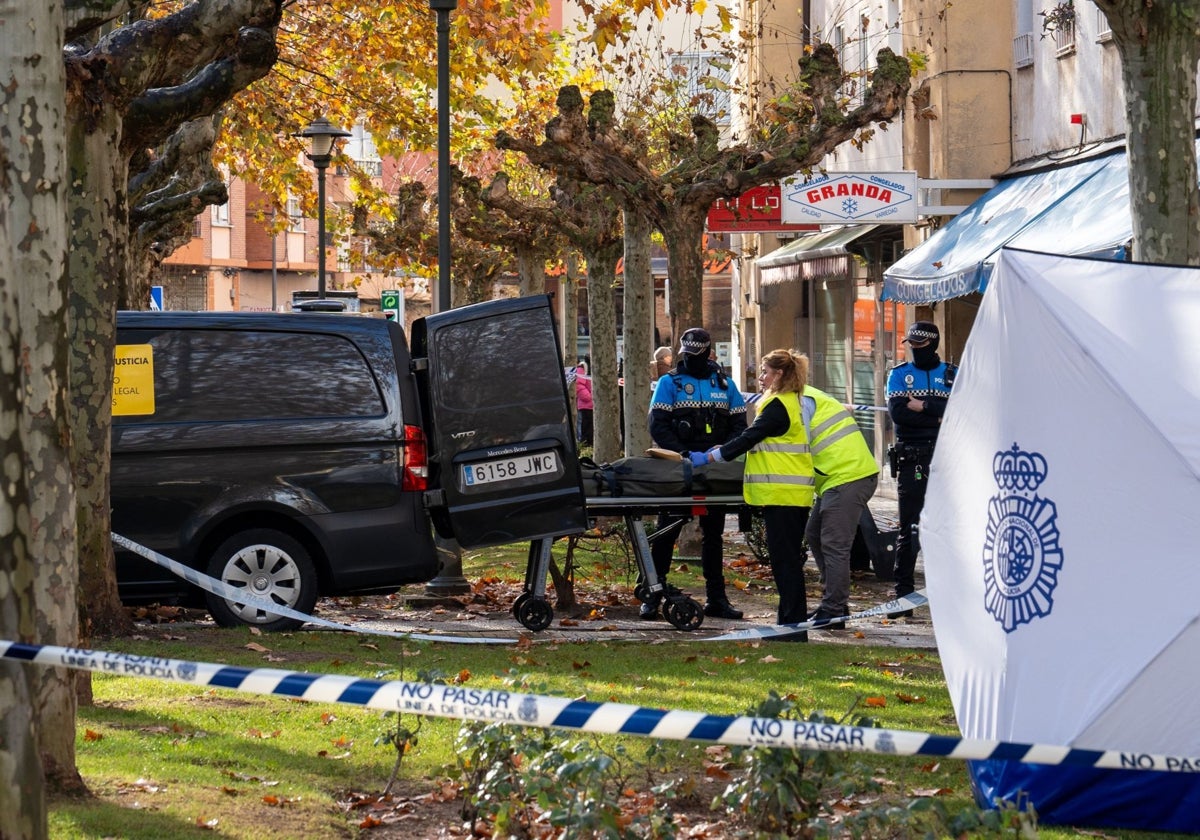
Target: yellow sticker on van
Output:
{"points": [[133, 380]]}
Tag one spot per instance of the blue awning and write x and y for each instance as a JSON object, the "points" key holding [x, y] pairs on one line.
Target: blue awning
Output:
{"points": [[1092, 221], [958, 258]]}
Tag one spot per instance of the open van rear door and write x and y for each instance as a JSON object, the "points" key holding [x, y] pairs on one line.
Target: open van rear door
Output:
{"points": [[503, 464]]}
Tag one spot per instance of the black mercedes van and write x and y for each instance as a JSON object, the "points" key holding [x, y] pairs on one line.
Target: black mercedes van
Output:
{"points": [[291, 455]]}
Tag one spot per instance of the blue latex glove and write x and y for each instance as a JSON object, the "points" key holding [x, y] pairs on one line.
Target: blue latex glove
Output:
{"points": [[699, 459]]}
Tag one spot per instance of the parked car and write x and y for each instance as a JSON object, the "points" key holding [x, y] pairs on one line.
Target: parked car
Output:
{"points": [[289, 455]]}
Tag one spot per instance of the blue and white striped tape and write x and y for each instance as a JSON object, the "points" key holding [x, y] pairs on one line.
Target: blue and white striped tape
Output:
{"points": [[241, 596], [498, 705], [752, 397], [776, 631]]}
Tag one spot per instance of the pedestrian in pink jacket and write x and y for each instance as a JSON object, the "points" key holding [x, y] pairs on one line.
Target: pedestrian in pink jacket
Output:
{"points": [[583, 401]]}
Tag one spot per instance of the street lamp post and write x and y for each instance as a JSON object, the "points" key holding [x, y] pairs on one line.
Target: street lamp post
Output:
{"points": [[443, 8], [450, 580], [322, 136]]}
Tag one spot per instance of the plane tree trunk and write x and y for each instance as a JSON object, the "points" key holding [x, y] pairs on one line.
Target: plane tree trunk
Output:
{"points": [[639, 332], [1159, 45]]}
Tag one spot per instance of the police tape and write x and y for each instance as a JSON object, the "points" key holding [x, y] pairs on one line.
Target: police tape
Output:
{"points": [[241, 596], [902, 604], [544, 711], [751, 398]]}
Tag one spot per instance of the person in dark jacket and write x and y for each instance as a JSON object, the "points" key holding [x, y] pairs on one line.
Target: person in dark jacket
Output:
{"points": [[695, 407], [917, 393]]}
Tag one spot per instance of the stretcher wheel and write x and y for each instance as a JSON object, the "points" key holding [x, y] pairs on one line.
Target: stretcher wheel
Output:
{"points": [[521, 599], [684, 614], [535, 613], [641, 592]]}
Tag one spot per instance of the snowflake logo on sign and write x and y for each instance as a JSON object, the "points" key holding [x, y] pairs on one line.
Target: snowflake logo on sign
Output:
{"points": [[1021, 554]]}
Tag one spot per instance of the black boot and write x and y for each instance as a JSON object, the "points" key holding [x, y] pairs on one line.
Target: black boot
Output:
{"points": [[826, 620], [721, 608]]}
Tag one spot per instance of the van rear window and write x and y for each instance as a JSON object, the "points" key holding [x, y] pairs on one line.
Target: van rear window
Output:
{"points": [[228, 375], [533, 372]]}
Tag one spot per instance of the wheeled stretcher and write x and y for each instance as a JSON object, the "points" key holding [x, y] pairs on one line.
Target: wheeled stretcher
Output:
{"points": [[533, 610]]}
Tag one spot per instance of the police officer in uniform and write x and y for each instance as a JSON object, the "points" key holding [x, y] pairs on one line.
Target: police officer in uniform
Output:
{"points": [[694, 408], [917, 392]]}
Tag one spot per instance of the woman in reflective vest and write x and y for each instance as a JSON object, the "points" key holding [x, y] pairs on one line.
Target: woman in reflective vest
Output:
{"points": [[779, 475], [846, 479]]}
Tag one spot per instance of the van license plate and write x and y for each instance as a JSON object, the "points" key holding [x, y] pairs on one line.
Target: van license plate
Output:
{"points": [[510, 469]]}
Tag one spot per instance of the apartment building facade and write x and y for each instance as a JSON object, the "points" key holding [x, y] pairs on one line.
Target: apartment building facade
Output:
{"points": [[1015, 131], [242, 256]]}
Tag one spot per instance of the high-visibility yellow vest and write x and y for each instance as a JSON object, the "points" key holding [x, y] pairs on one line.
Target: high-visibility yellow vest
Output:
{"points": [[839, 451], [779, 470]]}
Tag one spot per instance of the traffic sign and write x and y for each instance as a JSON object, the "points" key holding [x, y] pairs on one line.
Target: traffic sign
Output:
{"points": [[156, 298], [392, 304]]}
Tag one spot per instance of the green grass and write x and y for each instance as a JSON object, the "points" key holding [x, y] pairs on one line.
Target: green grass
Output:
{"points": [[167, 760]]}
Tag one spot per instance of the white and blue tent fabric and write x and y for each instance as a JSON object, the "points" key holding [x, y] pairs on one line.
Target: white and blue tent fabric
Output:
{"points": [[1060, 535]]}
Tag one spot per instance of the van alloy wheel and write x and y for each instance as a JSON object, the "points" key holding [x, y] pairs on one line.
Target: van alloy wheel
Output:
{"points": [[269, 565]]}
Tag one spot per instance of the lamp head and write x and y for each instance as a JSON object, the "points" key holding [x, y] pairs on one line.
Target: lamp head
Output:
{"points": [[321, 135]]}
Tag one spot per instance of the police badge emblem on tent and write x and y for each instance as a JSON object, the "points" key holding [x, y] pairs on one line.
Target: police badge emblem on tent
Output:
{"points": [[1021, 554]]}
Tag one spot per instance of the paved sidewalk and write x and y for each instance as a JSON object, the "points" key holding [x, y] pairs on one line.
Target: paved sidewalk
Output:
{"points": [[621, 622], [412, 612]]}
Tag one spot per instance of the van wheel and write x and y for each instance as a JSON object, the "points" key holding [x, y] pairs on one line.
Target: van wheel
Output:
{"points": [[269, 565]]}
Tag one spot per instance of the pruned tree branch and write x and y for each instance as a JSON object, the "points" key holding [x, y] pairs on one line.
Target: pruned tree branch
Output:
{"points": [[150, 118]]}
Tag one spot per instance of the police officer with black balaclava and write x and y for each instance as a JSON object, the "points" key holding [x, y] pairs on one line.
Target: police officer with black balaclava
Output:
{"points": [[694, 408], [917, 392]]}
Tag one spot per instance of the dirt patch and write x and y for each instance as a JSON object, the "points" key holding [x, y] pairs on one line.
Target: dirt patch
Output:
{"points": [[428, 811]]}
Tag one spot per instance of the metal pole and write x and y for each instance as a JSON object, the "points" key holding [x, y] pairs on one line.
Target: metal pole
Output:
{"points": [[443, 8], [450, 580], [320, 230], [274, 265]]}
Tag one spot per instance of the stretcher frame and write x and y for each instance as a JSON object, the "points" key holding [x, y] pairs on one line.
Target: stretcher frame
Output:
{"points": [[533, 610]]}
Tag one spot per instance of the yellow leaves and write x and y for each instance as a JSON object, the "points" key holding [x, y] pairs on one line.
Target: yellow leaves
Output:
{"points": [[726, 18], [917, 61]]}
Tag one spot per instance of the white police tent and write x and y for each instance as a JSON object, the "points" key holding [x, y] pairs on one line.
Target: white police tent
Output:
{"points": [[1061, 530]]}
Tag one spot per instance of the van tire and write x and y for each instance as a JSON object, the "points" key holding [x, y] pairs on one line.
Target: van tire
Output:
{"points": [[271, 565]]}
